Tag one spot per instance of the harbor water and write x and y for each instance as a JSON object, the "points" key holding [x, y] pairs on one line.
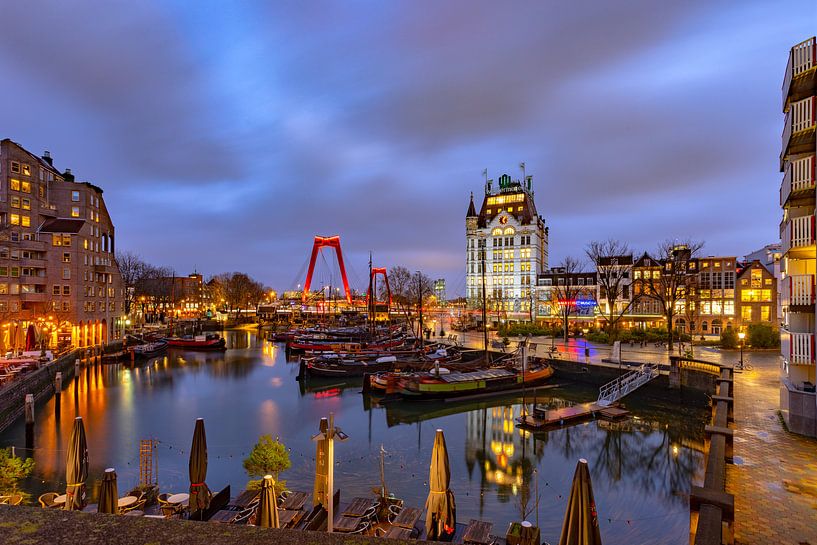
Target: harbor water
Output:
{"points": [[641, 469]]}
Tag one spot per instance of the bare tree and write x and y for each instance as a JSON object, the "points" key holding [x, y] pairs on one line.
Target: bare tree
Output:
{"points": [[237, 290], [612, 260], [670, 286], [566, 289], [131, 268]]}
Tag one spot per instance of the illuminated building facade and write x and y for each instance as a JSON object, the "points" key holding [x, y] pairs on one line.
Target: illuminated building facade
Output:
{"points": [[509, 237], [756, 297], [557, 289], [57, 246], [798, 156]]}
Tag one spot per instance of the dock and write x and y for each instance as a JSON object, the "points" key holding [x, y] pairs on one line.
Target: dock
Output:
{"points": [[554, 418]]}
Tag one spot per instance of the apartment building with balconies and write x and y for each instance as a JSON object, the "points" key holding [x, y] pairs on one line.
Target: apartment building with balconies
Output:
{"points": [[57, 266], [798, 401]]}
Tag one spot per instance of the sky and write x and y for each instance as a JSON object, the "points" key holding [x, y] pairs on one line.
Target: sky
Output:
{"points": [[226, 135]]}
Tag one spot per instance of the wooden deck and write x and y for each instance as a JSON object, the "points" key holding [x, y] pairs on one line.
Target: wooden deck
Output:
{"points": [[570, 415]]}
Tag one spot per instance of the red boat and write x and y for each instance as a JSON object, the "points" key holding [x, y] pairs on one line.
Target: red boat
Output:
{"points": [[199, 342]]}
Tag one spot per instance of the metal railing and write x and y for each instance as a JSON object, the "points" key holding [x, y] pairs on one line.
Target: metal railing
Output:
{"points": [[626, 384]]}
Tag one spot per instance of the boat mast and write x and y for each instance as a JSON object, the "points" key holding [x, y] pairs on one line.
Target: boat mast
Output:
{"points": [[370, 304], [420, 306], [484, 309]]}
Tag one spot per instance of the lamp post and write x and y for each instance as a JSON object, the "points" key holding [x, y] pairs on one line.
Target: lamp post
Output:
{"points": [[329, 432], [741, 336]]}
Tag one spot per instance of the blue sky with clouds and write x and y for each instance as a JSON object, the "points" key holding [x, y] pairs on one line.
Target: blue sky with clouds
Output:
{"points": [[226, 135]]}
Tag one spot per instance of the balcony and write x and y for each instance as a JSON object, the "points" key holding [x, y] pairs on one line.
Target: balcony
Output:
{"points": [[33, 262], [798, 181], [40, 245], [797, 237], [800, 78], [798, 292], [798, 129], [33, 297], [797, 347]]}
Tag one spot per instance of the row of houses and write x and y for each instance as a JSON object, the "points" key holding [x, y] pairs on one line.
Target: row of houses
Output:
{"points": [[708, 294]]}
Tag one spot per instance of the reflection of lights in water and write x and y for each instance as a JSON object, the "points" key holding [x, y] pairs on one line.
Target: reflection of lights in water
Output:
{"points": [[675, 450], [276, 382], [515, 490]]}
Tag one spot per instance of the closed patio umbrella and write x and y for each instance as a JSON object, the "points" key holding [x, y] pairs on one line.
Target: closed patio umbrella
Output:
{"points": [[581, 524], [441, 512], [199, 493], [76, 468], [319, 492], [31, 338], [108, 493], [268, 509]]}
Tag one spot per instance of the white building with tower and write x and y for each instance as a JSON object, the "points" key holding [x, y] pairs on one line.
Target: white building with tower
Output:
{"points": [[510, 239]]}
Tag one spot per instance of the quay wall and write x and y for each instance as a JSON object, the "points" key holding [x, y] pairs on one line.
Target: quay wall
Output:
{"points": [[40, 383]]}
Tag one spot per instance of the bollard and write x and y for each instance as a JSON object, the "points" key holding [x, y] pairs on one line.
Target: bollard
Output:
{"points": [[58, 383], [76, 368], [29, 409]]}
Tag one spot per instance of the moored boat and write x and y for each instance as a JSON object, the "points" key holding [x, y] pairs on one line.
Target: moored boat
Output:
{"points": [[149, 350], [199, 342], [443, 385]]}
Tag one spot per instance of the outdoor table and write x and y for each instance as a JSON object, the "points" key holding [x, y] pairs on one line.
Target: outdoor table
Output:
{"points": [[407, 518], [178, 498], [225, 515], [396, 532], [127, 501], [477, 532], [289, 517], [346, 524], [295, 501], [358, 507], [60, 500]]}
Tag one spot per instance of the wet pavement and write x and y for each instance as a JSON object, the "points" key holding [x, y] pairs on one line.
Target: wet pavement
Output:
{"points": [[774, 478]]}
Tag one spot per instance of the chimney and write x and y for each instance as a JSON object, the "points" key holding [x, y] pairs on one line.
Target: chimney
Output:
{"points": [[67, 175], [47, 158]]}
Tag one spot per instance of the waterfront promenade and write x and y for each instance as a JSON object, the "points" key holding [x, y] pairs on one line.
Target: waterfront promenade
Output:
{"points": [[774, 478]]}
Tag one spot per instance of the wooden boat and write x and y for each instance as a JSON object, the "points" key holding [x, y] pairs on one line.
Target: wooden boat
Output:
{"points": [[199, 342], [330, 345], [115, 357], [433, 385], [336, 365], [149, 350]]}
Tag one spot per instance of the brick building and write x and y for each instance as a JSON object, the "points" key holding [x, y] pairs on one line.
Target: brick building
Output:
{"points": [[57, 244], [756, 297]]}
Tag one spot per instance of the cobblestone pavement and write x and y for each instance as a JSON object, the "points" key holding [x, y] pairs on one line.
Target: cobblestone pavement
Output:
{"points": [[774, 478]]}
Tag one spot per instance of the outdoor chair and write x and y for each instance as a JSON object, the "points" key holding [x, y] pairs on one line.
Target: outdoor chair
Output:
{"points": [[394, 510], [362, 528], [47, 500], [161, 499], [244, 516]]}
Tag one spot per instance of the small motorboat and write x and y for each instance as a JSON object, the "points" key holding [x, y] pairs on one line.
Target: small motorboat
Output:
{"points": [[199, 342], [149, 350]]}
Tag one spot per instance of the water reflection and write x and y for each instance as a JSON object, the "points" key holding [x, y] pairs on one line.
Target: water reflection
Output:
{"points": [[641, 468]]}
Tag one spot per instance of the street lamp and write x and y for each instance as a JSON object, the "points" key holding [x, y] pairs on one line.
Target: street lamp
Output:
{"points": [[741, 336]]}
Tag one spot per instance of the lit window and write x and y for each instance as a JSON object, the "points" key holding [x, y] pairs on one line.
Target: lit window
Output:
{"points": [[66, 257], [26, 204], [746, 313], [75, 211], [75, 196], [25, 186], [26, 170], [15, 202], [765, 313], [66, 240], [25, 221], [14, 184], [56, 240], [14, 219]]}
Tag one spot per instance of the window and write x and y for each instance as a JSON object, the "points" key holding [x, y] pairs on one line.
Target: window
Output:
{"points": [[15, 167], [765, 313], [14, 184], [25, 186], [4, 271], [26, 169], [14, 219], [66, 240], [56, 240], [66, 306], [746, 313], [25, 221], [4, 288], [26, 204], [66, 290], [55, 290], [66, 273], [75, 211], [75, 196], [15, 272], [41, 191], [14, 202], [66, 257]]}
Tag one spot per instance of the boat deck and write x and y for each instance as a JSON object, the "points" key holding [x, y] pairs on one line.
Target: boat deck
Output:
{"points": [[571, 415], [488, 374]]}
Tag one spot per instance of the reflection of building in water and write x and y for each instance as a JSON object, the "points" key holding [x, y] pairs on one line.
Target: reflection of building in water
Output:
{"points": [[503, 453]]}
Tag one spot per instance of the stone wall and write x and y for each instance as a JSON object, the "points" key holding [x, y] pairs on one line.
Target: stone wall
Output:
{"points": [[27, 525], [39, 382]]}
